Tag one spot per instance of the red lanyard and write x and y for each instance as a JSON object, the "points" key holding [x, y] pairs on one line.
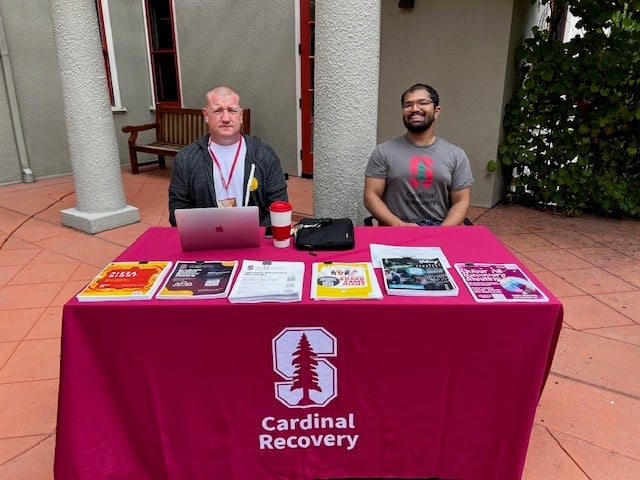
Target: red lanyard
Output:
{"points": [[226, 183]]}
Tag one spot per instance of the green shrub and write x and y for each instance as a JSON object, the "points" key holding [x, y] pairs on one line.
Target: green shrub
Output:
{"points": [[572, 129]]}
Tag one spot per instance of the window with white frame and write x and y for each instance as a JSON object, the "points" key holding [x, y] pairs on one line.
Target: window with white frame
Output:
{"points": [[163, 51], [104, 21]]}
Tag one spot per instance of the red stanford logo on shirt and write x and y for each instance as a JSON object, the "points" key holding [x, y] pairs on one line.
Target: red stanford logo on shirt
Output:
{"points": [[421, 172], [300, 359]]}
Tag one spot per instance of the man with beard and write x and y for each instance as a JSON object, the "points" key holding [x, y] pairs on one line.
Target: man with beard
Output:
{"points": [[418, 178]]}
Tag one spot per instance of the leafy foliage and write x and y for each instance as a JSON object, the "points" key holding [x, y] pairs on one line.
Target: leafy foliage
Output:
{"points": [[572, 129]]}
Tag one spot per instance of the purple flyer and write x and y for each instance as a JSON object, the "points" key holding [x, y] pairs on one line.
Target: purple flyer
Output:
{"points": [[499, 282]]}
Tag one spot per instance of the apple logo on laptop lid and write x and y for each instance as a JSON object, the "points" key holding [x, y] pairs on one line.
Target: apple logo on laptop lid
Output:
{"points": [[212, 227]]}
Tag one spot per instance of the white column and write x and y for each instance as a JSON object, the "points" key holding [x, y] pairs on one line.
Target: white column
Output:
{"points": [[347, 55], [95, 161]]}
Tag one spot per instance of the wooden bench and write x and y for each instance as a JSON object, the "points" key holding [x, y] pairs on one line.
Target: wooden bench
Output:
{"points": [[175, 128]]}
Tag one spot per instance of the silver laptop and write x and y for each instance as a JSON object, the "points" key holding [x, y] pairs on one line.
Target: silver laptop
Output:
{"points": [[211, 228]]}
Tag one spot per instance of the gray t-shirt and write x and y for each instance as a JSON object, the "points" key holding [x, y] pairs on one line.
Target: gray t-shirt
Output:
{"points": [[419, 179]]}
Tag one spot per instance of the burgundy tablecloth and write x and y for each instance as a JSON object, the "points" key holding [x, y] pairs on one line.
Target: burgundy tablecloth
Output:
{"points": [[409, 387]]}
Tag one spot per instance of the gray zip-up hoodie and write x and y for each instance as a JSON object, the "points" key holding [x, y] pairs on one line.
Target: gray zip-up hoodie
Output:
{"points": [[191, 183]]}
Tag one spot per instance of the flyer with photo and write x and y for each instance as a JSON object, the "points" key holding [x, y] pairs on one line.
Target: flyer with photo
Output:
{"points": [[499, 282], [417, 276], [199, 280]]}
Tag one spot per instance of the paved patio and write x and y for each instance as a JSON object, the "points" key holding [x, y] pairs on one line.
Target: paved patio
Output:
{"points": [[588, 422]]}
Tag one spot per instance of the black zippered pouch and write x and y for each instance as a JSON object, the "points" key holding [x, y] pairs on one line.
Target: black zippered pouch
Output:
{"points": [[324, 234]]}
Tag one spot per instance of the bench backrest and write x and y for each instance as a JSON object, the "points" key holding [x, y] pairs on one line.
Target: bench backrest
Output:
{"points": [[183, 126]]}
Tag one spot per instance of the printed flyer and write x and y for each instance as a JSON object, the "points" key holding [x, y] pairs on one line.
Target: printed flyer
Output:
{"points": [[199, 280], [499, 282], [126, 281], [417, 276], [344, 281]]}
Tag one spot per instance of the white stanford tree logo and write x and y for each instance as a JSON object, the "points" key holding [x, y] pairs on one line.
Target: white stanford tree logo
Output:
{"points": [[299, 357]]}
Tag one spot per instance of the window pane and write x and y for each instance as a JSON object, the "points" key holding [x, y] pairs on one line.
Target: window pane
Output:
{"points": [[165, 73], [313, 106], [312, 38], [161, 31]]}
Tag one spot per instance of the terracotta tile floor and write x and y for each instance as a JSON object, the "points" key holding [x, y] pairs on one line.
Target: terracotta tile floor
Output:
{"points": [[588, 422]]}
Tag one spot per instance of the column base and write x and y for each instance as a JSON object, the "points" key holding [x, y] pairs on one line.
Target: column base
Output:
{"points": [[99, 221]]}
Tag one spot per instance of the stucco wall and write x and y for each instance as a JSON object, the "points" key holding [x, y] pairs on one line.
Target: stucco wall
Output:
{"points": [[462, 49], [239, 43], [251, 47], [130, 53], [9, 165], [35, 70]]}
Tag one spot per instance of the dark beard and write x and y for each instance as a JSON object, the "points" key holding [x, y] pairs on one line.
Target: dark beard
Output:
{"points": [[418, 128]]}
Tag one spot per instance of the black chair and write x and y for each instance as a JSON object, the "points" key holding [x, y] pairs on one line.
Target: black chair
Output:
{"points": [[368, 221]]}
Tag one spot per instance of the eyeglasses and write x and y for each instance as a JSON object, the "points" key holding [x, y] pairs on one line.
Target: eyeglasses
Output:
{"points": [[420, 104], [231, 111]]}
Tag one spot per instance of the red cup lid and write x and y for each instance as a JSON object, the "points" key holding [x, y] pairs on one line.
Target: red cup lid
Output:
{"points": [[280, 206]]}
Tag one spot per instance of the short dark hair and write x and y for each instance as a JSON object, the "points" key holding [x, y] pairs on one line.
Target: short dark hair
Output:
{"points": [[422, 86]]}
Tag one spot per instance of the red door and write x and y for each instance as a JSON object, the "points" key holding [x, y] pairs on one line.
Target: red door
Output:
{"points": [[307, 52]]}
